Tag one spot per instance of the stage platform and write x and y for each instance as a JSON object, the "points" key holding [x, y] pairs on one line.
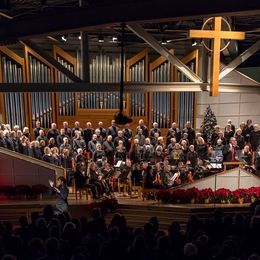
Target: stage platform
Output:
{"points": [[136, 211]]}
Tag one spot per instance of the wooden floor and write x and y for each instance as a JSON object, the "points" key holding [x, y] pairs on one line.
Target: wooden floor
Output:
{"points": [[136, 211]]}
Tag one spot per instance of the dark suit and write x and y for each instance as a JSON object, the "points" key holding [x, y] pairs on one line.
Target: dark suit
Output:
{"points": [[61, 199], [227, 153], [81, 182]]}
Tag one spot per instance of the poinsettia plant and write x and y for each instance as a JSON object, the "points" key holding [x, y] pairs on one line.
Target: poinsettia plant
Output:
{"points": [[205, 194], [223, 194], [40, 188], [164, 196], [23, 190], [178, 196], [240, 193], [191, 193], [253, 192]]}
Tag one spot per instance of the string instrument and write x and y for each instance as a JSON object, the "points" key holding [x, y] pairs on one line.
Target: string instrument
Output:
{"points": [[158, 179], [174, 179]]}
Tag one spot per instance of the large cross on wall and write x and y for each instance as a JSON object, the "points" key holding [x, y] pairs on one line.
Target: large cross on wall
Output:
{"points": [[216, 35]]}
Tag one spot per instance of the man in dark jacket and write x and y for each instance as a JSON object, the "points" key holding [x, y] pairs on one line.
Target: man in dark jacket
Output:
{"points": [[62, 193], [254, 137], [81, 179]]}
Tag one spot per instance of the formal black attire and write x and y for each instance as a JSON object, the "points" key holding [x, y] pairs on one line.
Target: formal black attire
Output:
{"points": [[53, 133], [128, 135], [228, 135], [254, 139], [240, 141], [109, 151], [9, 143], [2, 142], [144, 128], [77, 129], [202, 151], [62, 199], [81, 182], [112, 130], [230, 153], [94, 180], [36, 131], [191, 134], [193, 158], [36, 153], [78, 143], [87, 134], [48, 158], [60, 139], [177, 133], [103, 132]]}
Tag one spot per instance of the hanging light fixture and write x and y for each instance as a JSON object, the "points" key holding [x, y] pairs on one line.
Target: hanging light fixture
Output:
{"points": [[120, 118]]}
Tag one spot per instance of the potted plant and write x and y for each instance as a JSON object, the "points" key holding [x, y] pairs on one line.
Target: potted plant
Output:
{"points": [[240, 195], [39, 189], [223, 195], [206, 195], [253, 193], [23, 191], [177, 196], [191, 195]]}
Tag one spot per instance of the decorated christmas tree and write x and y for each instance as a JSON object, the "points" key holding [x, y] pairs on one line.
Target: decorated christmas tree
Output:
{"points": [[209, 122]]}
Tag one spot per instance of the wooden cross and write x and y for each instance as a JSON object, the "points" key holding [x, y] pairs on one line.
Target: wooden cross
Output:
{"points": [[216, 35]]}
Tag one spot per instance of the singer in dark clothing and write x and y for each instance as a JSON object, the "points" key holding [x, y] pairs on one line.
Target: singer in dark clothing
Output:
{"points": [[62, 193], [81, 179]]}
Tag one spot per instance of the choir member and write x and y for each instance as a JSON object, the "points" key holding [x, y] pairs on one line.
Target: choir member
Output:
{"points": [[112, 130], [190, 131], [154, 130], [254, 137], [78, 142], [67, 130], [128, 135], [103, 131], [77, 128], [109, 149], [37, 129], [88, 133], [53, 132], [142, 126]]}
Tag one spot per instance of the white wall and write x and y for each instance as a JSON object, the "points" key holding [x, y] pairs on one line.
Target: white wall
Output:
{"points": [[232, 180], [235, 106]]}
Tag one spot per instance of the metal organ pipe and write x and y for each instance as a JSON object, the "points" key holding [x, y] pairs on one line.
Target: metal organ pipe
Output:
{"points": [[14, 108], [161, 100]]}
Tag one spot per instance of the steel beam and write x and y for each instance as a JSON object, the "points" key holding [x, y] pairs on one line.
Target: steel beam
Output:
{"points": [[52, 61], [140, 32], [129, 87], [240, 59], [62, 20]]}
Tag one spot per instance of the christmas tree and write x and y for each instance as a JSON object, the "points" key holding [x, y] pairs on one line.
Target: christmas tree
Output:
{"points": [[209, 122]]}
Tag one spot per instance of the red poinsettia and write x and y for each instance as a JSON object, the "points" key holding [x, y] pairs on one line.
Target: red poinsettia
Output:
{"points": [[253, 192], [240, 193], [206, 194], [191, 193], [40, 188], [178, 195], [223, 194], [164, 196]]}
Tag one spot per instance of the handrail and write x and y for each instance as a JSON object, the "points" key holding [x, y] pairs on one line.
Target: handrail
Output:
{"points": [[231, 163], [59, 171]]}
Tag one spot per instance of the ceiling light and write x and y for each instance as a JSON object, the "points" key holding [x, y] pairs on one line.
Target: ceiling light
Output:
{"points": [[163, 42], [79, 37], [100, 38], [64, 38], [114, 39], [194, 43]]}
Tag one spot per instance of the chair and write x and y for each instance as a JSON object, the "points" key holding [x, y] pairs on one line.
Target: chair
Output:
{"points": [[137, 189], [80, 191], [122, 185]]}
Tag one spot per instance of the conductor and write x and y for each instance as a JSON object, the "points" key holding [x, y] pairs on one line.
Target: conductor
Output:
{"points": [[61, 194]]}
